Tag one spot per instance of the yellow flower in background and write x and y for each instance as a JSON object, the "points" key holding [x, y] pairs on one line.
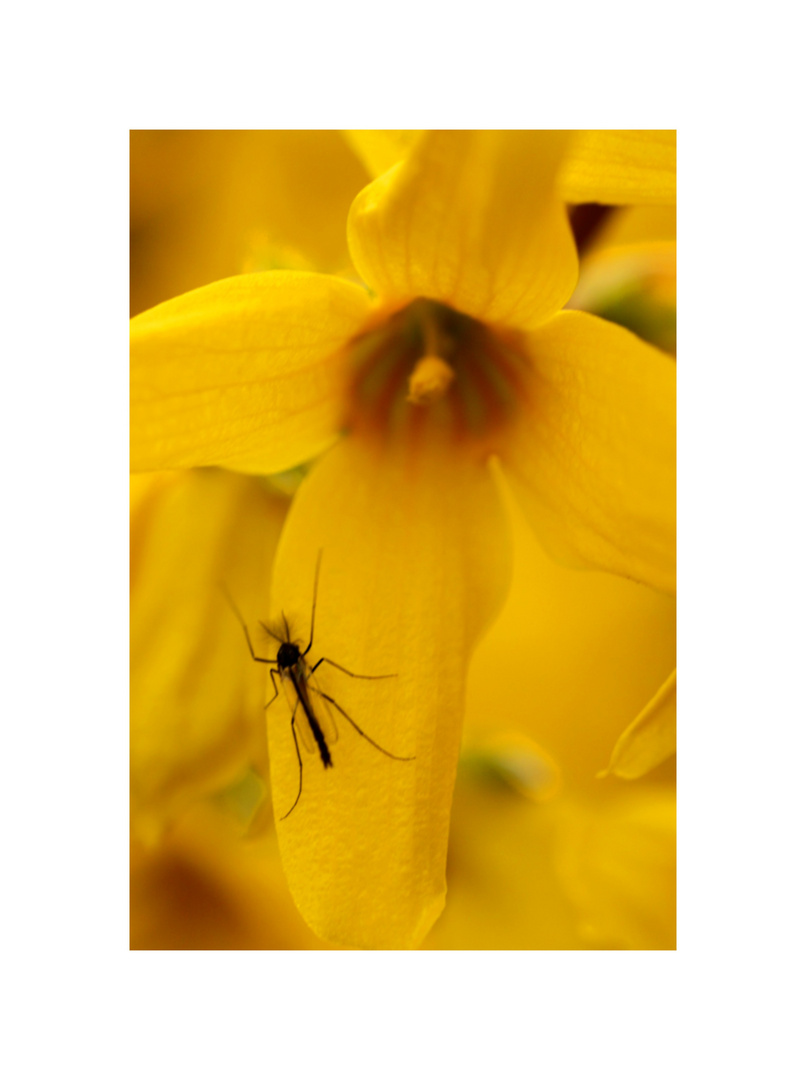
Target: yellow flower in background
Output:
{"points": [[542, 854], [462, 354], [196, 709], [208, 204], [204, 887], [629, 274]]}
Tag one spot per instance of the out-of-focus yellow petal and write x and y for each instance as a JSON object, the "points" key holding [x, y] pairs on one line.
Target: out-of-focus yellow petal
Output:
{"points": [[206, 887], [629, 274], [566, 874], [470, 218], [634, 286], [609, 272], [569, 657], [503, 888], [515, 760], [380, 150], [651, 738], [195, 705], [637, 225], [242, 373], [620, 167], [415, 562], [210, 204], [618, 863], [592, 461]]}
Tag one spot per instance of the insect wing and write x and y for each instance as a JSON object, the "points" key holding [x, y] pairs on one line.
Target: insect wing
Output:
{"points": [[324, 713], [301, 720]]}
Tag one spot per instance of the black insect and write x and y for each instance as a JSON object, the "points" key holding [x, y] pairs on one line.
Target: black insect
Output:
{"points": [[318, 731]]}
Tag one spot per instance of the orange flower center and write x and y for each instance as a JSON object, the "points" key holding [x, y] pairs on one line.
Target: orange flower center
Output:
{"points": [[427, 368]]}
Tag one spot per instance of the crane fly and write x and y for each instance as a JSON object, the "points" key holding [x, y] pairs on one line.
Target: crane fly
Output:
{"points": [[318, 729]]}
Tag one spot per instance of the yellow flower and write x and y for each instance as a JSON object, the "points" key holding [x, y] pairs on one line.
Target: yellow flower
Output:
{"points": [[543, 855], [458, 352], [203, 887], [572, 873], [196, 709], [207, 204]]}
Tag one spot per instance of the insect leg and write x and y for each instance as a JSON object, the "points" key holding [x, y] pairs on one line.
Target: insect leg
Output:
{"points": [[363, 734], [315, 587], [272, 672], [299, 759], [352, 674], [239, 617]]}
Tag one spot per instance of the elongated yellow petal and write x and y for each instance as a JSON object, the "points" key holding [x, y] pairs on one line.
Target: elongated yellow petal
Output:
{"points": [[470, 218], [195, 703], [592, 459], [242, 373], [620, 167], [650, 739], [415, 562]]}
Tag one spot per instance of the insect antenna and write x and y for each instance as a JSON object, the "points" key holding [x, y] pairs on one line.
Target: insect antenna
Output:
{"points": [[270, 632], [315, 589]]}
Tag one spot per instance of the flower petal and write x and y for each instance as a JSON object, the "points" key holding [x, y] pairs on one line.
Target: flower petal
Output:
{"points": [[637, 225], [415, 562], [503, 888], [585, 651], [618, 863], [380, 150], [243, 373], [619, 167], [470, 218], [203, 887], [650, 739], [592, 459], [194, 692], [634, 286]]}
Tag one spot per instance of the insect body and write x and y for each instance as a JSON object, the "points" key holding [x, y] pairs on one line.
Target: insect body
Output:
{"points": [[291, 665], [318, 731]]}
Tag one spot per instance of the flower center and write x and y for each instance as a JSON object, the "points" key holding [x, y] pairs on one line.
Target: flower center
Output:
{"points": [[427, 368], [429, 380]]}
